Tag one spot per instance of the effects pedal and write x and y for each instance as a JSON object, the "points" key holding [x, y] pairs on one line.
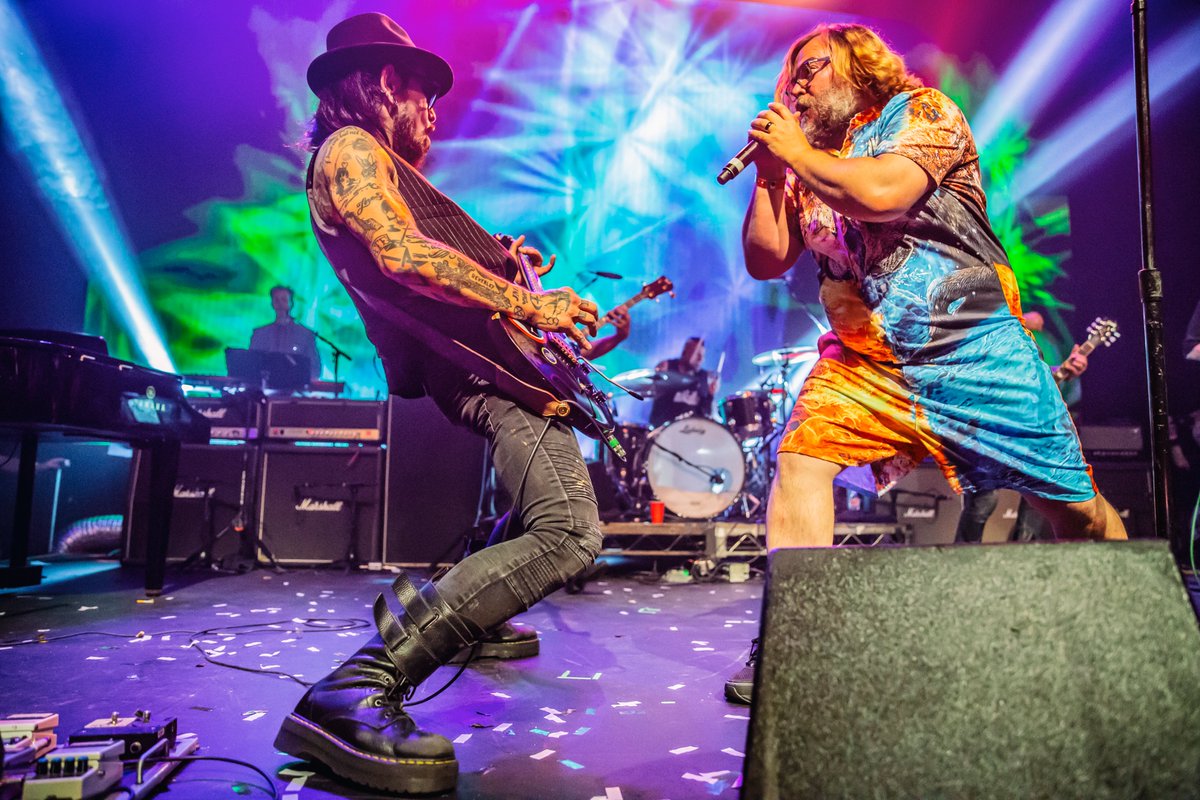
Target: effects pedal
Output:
{"points": [[76, 772], [27, 737], [137, 733]]}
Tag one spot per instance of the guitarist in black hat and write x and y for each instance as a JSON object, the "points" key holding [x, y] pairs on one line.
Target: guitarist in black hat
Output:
{"points": [[432, 286]]}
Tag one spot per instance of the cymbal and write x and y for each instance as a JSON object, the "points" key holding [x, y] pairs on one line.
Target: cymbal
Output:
{"points": [[654, 383], [784, 355]]}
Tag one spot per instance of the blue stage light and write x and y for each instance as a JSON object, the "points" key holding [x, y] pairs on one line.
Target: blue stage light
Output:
{"points": [[43, 136]]}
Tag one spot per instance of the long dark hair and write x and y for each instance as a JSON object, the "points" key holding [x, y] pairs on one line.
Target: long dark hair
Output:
{"points": [[352, 100]]}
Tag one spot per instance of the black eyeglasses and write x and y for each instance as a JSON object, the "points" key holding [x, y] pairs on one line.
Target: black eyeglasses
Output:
{"points": [[809, 69]]}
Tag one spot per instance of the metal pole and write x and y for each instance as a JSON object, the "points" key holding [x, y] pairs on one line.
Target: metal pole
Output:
{"points": [[1151, 288]]}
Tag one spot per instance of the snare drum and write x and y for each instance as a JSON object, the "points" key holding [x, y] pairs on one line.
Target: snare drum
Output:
{"points": [[748, 414], [695, 467]]}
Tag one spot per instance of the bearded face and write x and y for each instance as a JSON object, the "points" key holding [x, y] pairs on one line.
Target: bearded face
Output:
{"points": [[410, 134], [827, 114]]}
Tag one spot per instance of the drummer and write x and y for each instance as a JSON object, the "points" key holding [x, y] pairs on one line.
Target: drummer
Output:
{"points": [[689, 389]]}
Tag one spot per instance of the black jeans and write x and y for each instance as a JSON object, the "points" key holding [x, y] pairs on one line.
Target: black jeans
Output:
{"points": [[554, 505], [978, 506]]}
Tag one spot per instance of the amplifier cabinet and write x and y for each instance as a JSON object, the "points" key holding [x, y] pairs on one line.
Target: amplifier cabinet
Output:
{"points": [[435, 474], [214, 495], [320, 503], [308, 419]]}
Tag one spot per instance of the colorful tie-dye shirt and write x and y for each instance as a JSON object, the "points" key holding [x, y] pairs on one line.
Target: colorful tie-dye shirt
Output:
{"points": [[933, 359]]}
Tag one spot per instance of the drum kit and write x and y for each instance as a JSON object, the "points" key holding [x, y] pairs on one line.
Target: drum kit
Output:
{"points": [[704, 468]]}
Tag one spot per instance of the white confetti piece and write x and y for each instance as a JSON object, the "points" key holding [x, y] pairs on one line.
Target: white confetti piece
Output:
{"points": [[703, 649], [270, 655], [166, 658], [567, 676], [287, 641], [502, 727], [612, 793], [462, 738], [268, 666], [541, 755], [667, 702], [656, 595], [675, 686], [250, 716], [624, 613], [673, 628], [627, 704], [730, 751], [88, 608], [220, 605], [502, 695], [557, 734], [705, 777], [737, 716], [314, 649], [90, 658], [678, 751], [696, 641]]}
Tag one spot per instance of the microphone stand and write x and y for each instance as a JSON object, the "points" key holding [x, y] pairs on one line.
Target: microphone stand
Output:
{"points": [[1151, 291], [337, 354]]}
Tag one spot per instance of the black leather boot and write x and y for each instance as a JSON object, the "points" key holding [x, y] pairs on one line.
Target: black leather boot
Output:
{"points": [[740, 686], [353, 720], [506, 641]]}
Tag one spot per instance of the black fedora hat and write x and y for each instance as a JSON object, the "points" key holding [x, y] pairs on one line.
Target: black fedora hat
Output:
{"points": [[370, 40]]}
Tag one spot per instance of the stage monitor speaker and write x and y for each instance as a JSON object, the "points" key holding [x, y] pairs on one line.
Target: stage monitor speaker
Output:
{"points": [[320, 503], [1015, 670], [435, 474], [213, 502]]}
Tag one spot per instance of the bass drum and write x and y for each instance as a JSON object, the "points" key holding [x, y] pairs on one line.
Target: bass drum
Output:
{"points": [[695, 467]]}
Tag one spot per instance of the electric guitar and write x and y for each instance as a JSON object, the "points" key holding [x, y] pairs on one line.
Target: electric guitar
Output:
{"points": [[660, 285], [552, 361], [1101, 332]]}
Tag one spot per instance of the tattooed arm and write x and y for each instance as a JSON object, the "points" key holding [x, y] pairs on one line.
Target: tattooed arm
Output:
{"points": [[354, 188]]}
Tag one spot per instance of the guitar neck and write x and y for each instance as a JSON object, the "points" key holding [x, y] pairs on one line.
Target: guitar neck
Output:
{"points": [[628, 304]]}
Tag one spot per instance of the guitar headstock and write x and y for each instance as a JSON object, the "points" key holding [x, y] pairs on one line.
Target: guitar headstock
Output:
{"points": [[660, 285], [1103, 331]]}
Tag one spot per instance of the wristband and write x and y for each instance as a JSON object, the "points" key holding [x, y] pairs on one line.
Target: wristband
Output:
{"points": [[770, 185]]}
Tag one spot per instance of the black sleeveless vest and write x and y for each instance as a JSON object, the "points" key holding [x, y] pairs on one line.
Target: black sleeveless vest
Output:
{"points": [[392, 313]]}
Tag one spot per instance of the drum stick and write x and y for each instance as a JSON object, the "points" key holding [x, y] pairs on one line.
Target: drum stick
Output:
{"points": [[720, 362]]}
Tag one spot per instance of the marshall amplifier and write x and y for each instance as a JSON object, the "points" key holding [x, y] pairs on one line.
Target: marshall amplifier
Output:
{"points": [[232, 416], [312, 420], [924, 500], [320, 504], [211, 519], [1113, 441]]}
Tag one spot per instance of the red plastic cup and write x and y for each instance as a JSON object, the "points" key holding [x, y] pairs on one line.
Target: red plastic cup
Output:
{"points": [[657, 510]]}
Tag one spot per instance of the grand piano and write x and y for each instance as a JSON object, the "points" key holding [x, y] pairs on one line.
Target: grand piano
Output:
{"points": [[65, 383]]}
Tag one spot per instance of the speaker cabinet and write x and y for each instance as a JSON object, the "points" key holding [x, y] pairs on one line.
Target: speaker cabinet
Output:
{"points": [[1126, 484], [1014, 670], [924, 500], [435, 475], [213, 504], [320, 503]]}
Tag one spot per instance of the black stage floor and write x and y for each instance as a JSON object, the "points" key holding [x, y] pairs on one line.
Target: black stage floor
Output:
{"points": [[624, 701]]}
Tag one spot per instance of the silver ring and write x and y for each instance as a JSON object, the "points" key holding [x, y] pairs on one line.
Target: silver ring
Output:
{"points": [[767, 127]]}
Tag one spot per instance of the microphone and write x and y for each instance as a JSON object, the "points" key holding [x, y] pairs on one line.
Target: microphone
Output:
{"points": [[743, 159]]}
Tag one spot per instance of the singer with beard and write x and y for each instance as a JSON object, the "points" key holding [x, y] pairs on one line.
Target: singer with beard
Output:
{"points": [[372, 213], [878, 176]]}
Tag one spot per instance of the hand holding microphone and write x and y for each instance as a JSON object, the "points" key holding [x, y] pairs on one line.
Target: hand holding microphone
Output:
{"points": [[774, 130]]}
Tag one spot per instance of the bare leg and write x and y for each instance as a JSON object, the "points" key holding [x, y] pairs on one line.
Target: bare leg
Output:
{"points": [[1090, 519], [800, 509]]}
